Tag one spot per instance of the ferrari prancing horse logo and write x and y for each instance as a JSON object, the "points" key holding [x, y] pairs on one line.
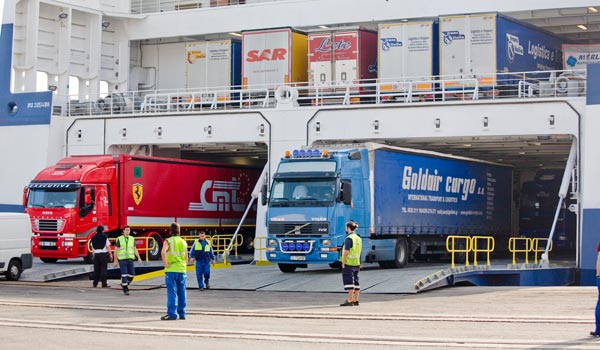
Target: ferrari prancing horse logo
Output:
{"points": [[138, 192]]}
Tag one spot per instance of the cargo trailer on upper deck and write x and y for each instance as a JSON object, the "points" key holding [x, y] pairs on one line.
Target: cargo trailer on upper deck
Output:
{"points": [[273, 57], [214, 67], [474, 47], [341, 57], [408, 57]]}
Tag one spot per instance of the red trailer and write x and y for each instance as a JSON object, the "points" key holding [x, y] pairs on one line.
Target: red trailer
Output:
{"points": [[342, 57], [67, 201]]}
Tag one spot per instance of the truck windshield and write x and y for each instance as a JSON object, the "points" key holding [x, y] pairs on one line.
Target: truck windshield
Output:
{"points": [[52, 198], [302, 192]]}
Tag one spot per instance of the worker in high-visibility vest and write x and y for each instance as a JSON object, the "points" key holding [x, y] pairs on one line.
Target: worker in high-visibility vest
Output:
{"points": [[125, 253], [203, 253], [175, 256], [351, 264]]}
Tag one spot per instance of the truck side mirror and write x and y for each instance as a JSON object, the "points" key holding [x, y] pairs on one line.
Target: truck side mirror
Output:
{"points": [[263, 194], [346, 192], [25, 193]]}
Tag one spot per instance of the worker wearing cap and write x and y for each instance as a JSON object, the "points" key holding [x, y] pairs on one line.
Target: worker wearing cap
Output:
{"points": [[351, 264]]}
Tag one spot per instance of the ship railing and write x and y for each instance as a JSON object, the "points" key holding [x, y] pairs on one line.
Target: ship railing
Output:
{"points": [[522, 85], [152, 6]]}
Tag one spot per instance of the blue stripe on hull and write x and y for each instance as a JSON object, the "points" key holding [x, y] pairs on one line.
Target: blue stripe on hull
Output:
{"points": [[593, 90], [12, 208], [32, 108]]}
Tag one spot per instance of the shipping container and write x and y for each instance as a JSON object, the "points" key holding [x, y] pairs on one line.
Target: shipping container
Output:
{"points": [[408, 52], [273, 58], [215, 66], [475, 47]]}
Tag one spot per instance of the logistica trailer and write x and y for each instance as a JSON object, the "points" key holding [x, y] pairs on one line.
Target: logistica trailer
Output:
{"points": [[477, 46]]}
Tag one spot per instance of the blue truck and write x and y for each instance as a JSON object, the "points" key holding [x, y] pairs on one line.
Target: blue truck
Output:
{"points": [[405, 202]]}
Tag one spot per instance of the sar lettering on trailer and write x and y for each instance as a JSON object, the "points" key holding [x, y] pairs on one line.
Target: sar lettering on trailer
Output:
{"points": [[266, 55]]}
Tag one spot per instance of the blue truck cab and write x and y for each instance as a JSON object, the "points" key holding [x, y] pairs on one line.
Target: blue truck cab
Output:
{"points": [[405, 202]]}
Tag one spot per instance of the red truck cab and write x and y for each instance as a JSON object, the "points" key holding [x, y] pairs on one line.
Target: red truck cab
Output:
{"points": [[67, 201]]}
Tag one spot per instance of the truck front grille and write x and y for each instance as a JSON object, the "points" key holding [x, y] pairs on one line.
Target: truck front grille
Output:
{"points": [[48, 225], [299, 228]]}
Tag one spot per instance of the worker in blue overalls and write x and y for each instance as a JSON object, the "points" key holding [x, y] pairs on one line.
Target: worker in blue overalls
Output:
{"points": [[203, 253]]}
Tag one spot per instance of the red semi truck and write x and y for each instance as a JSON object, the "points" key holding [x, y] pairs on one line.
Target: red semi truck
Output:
{"points": [[67, 201]]}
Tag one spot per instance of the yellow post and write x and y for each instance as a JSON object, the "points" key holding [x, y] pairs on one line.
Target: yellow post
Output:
{"points": [[512, 247], [260, 245], [450, 247], [490, 246]]}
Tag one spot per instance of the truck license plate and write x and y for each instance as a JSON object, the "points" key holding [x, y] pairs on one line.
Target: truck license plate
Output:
{"points": [[47, 244], [298, 257]]}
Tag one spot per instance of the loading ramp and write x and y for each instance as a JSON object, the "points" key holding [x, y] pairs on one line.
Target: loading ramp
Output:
{"points": [[499, 275], [409, 280], [415, 278]]}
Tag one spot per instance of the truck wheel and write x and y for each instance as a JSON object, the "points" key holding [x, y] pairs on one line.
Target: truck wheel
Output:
{"points": [[401, 256], [287, 267], [49, 260], [156, 246], [14, 270]]}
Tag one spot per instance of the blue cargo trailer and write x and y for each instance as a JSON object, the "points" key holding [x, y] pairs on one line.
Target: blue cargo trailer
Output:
{"points": [[405, 202], [476, 46]]}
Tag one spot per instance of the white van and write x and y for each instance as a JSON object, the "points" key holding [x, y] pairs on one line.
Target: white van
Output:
{"points": [[15, 244]]}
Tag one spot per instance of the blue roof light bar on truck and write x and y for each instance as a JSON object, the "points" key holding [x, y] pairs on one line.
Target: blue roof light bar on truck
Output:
{"points": [[307, 153]]}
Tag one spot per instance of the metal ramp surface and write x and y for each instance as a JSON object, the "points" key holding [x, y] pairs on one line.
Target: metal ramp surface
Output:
{"points": [[313, 279], [64, 269], [416, 277], [499, 275], [46, 272], [73, 268]]}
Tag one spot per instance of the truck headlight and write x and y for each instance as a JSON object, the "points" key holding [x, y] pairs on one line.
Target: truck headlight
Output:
{"points": [[326, 242], [272, 242]]}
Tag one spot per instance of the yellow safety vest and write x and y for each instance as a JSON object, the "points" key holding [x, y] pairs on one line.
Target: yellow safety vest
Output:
{"points": [[355, 251], [176, 255], [126, 248], [198, 246]]}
